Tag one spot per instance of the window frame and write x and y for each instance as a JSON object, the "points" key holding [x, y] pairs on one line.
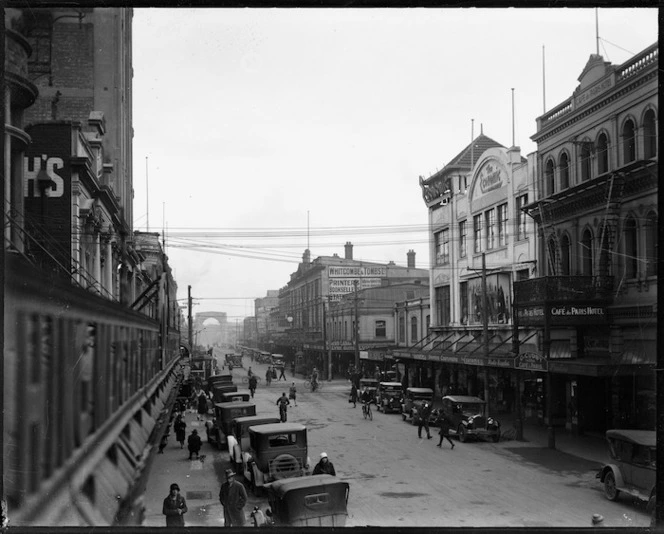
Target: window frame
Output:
{"points": [[564, 171], [478, 243], [628, 141], [521, 230], [490, 220], [463, 238], [378, 328], [501, 215]]}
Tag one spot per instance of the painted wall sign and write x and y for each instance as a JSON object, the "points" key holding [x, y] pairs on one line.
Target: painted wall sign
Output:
{"points": [[491, 176], [357, 272], [593, 92]]}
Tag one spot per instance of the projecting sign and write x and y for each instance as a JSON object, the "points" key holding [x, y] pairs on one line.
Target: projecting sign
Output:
{"points": [[342, 279]]}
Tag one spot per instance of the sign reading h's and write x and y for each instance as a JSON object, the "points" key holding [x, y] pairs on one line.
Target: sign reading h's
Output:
{"points": [[32, 167]]}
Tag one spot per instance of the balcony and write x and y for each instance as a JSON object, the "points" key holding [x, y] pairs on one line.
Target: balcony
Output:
{"points": [[563, 289]]}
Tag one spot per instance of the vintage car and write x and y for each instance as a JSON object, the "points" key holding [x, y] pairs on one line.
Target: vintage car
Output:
{"points": [[219, 389], [388, 397], [235, 396], [632, 467], [468, 418], [233, 359], [311, 501], [412, 401], [274, 452], [278, 359], [238, 438], [221, 380], [224, 413]]}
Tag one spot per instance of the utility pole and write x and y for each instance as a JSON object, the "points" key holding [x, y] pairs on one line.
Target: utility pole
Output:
{"points": [[329, 358], [485, 332], [191, 324], [357, 331]]}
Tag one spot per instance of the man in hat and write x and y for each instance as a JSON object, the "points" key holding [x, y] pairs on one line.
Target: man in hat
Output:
{"points": [[194, 443], [174, 507], [324, 466], [233, 497]]}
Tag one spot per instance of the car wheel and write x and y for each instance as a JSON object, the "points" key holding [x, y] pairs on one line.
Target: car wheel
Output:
{"points": [[463, 435], [610, 490]]}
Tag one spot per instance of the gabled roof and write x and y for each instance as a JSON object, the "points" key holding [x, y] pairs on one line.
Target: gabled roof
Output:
{"points": [[478, 146]]}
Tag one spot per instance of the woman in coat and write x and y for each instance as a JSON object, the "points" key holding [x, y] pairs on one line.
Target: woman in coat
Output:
{"points": [[174, 507], [180, 430], [353, 395], [202, 404]]}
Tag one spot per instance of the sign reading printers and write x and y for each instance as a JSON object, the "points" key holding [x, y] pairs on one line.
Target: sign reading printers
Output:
{"points": [[342, 279]]}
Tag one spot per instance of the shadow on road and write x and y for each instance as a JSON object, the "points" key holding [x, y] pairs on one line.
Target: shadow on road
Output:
{"points": [[555, 460]]}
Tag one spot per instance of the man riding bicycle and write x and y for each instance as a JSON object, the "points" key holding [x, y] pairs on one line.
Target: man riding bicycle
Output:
{"points": [[366, 398]]}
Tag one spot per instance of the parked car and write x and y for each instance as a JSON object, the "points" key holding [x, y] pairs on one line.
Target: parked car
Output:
{"points": [[412, 401], [235, 396], [275, 451], [632, 467], [224, 413], [311, 501], [234, 359], [219, 389], [388, 397], [468, 418], [278, 359], [238, 437], [221, 380]]}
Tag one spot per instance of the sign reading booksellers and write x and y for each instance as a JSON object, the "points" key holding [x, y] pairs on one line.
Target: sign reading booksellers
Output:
{"points": [[562, 314], [342, 279]]}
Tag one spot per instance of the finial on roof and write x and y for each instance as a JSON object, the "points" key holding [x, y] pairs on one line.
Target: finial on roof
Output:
{"points": [[481, 129]]}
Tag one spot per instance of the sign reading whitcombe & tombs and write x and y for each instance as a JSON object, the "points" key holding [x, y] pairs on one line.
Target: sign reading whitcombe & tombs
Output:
{"points": [[342, 279]]}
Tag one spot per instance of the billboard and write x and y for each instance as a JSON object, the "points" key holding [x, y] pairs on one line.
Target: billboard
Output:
{"points": [[342, 279]]}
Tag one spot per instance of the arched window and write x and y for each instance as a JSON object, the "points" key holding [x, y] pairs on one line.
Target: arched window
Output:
{"points": [[549, 178], [413, 330], [564, 171], [629, 141], [587, 253], [651, 244], [630, 235], [565, 256], [602, 154], [586, 162], [649, 135], [552, 259]]}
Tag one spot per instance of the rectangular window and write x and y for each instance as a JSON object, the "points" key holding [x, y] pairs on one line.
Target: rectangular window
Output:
{"points": [[443, 308], [462, 239], [402, 328], [502, 225], [490, 229], [463, 301], [437, 239], [381, 330], [442, 244], [477, 231], [521, 201]]}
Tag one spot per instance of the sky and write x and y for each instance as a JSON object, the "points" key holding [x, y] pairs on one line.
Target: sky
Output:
{"points": [[259, 133]]}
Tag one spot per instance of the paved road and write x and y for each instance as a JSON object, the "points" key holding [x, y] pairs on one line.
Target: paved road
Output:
{"points": [[398, 479]]}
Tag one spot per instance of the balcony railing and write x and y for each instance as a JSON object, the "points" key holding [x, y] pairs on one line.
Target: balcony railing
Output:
{"points": [[563, 288]]}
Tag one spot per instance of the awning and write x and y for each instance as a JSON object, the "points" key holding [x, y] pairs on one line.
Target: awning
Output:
{"points": [[597, 367]]}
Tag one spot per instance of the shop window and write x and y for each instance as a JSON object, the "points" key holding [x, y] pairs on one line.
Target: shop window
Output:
{"points": [[381, 330], [602, 154], [651, 244], [564, 171], [565, 266], [587, 253], [628, 141], [462, 239], [649, 135], [549, 177], [502, 225], [630, 235]]}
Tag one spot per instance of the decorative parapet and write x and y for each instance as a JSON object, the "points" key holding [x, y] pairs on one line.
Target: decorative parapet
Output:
{"points": [[436, 187]]}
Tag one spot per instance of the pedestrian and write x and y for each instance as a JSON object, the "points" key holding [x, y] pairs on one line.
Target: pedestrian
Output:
{"points": [[250, 372], [268, 375], [233, 497], [194, 443], [180, 433], [283, 403], [292, 393], [324, 466], [353, 395], [253, 383], [163, 442], [174, 507], [202, 405], [423, 420], [282, 373], [444, 431], [292, 368]]}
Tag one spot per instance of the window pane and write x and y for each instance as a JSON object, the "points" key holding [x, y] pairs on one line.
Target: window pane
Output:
{"points": [[490, 228], [462, 239], [502, 225]]}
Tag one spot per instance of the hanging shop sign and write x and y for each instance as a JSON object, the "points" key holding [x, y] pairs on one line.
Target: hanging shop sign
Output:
{"points": [[364, 355], [530, 361]]}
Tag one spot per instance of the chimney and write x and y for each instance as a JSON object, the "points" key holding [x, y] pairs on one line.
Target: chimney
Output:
{"points": [[411, 259], [349, 250], [306, 257]]}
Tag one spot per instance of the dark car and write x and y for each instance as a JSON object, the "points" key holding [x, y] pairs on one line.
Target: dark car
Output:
{"points": [[468, 418], [632, 468], [238, 438], [412, 402], [275, 451], [219, 389], [235, 396], [224, 413], [311, 501], [388, 397]]}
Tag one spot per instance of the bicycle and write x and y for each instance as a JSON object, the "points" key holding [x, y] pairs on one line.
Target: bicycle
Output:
{"points": [[366, 410], [308, 385], [245, 379]]}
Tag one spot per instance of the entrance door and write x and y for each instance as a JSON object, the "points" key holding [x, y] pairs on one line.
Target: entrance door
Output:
{"points": [[592, 405]]}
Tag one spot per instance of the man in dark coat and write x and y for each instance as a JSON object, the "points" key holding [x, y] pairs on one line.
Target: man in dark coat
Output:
{"points": [[194, 443], [253, 384], [444, 423], [283, 403], [179, 426], [174, 507], [324, 466], [233, 497], [423, 421], [282, 371], [202, 404]]}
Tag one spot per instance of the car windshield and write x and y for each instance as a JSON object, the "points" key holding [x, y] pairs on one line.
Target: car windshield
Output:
{"points": [[471, 409]]}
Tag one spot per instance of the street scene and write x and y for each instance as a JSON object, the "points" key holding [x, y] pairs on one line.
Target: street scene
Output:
{"points": [[398, 479]]}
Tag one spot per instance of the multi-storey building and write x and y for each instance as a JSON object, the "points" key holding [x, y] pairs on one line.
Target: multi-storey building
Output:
{"points": [[303, 301], [595, 302], [481, 242]]}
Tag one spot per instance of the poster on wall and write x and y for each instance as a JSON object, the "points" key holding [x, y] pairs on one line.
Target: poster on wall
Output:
{"points": [[499, 299]]}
